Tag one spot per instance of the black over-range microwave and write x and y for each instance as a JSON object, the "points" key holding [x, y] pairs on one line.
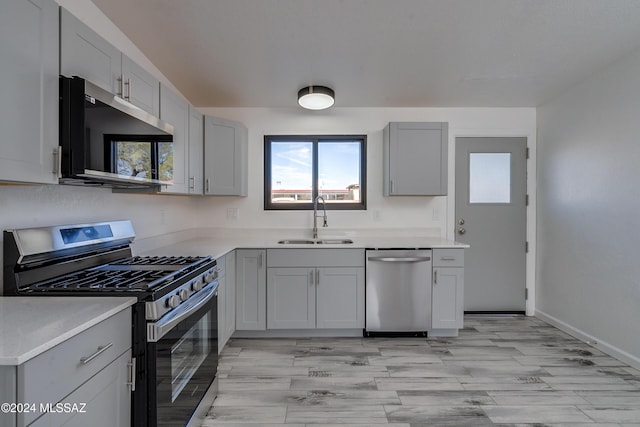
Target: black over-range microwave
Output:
{"points": [[107, 141]]}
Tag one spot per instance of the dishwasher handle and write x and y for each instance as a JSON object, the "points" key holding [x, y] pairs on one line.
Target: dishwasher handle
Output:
{"points": [[399, 259]]}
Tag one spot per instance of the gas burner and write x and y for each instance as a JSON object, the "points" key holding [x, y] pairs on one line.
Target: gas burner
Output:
{"points": [[159, 260]]}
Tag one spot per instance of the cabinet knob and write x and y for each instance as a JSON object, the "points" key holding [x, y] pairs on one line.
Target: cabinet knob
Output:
{"points": [[461, 230]]}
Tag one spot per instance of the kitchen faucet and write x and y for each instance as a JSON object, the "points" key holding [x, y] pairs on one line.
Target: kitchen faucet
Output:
{"points": [[315, 215]]}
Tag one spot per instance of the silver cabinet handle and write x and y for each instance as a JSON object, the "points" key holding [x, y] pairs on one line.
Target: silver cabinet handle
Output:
{"points": [[192, 182], [128, 83], [132, 374], [399, 259], [317, 276], [206, 185], [393, 187], [99, 351], [311, 278], [435, 277], [259, 261], [121, 82], [58, 167], [447, 258]]}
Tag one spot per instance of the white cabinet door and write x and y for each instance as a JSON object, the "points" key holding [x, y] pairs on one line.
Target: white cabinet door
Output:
{"points": [[225, 157], [447, 298], [340, 298], [107, 396], [29, 86], [139, 87], [251, 289], [175, 111], [230, 309], [196, 151], [291, 298], [415, 159], [85, 54]]}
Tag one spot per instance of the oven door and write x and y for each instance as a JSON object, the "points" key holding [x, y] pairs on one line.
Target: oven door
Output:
{"points": [[182, 362]]}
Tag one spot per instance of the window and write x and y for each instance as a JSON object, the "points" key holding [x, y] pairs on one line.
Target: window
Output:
{"points": [[490, 178], [297, 169]]}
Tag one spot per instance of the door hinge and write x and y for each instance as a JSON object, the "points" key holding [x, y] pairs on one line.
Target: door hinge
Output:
{"points": [[527, 152], [526, 247]]}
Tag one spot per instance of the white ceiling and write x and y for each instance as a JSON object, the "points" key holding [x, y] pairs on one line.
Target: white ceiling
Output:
{"points": [[378, 53]]}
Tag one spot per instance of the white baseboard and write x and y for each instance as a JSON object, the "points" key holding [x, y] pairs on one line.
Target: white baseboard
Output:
{"points": [[601, 345]]}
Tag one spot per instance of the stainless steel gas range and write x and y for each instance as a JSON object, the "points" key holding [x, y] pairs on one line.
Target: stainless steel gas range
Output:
{"points": [[174, 323]]}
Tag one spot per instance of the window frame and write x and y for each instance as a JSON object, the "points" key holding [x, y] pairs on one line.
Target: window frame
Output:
{"points": [[315, 140]]}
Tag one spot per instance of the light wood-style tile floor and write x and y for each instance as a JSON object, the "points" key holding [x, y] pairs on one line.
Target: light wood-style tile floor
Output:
{"points": [[499, 371]]}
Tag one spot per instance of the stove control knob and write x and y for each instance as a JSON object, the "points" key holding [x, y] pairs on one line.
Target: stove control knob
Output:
{"points": [[173, 301], [211, 276], [183, 294], [197, 285]]}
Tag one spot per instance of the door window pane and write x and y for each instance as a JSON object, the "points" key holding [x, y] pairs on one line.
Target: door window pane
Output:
{"points": [[291, 172], [490, 178], [339, 171]]}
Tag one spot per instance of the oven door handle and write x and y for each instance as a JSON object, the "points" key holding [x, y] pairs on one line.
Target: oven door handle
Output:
{"points": [[155, 331]]}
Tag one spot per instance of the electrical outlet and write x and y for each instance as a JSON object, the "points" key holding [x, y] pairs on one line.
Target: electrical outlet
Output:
{"points": [[232, 214]]}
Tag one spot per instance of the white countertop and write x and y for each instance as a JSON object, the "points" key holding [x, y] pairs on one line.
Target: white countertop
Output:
{"points": [[30, 326], [219, 242]]}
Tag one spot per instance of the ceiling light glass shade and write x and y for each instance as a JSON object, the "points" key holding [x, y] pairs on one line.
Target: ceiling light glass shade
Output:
{"points": [[316, 97]]}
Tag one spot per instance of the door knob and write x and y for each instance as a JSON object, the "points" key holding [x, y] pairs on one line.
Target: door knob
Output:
{"points": [[461, 230]]}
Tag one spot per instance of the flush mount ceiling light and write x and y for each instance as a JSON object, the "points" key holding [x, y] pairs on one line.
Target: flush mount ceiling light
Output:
{"points": [[316, 97]]}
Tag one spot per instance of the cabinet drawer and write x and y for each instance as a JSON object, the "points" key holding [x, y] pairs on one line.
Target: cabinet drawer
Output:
{"points": [[448, 257], [55, 373], [315, 257]]}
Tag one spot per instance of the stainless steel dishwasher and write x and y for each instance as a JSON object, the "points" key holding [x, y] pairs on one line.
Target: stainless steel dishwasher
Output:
{"points": [[398, 292]]}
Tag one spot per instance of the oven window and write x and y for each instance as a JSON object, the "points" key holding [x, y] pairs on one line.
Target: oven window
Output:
{"points": [[188, 354]]}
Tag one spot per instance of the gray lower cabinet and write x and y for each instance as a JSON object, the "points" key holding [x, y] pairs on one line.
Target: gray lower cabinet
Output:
{"points": [[175, 110], [91, 370], [86, 54], [251, 297], [222, 303], [448, 289], [225, 157], [29, 87], [230, 300], [226, 298], [415, 159], [315, 288]]}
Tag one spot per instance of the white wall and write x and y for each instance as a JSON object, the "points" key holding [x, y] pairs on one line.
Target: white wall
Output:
{"points": [[382, 212], [589, 209]]}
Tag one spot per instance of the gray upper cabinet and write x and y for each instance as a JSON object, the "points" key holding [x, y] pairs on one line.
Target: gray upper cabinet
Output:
{"points": [[225, 157], [415, 159], [139, 87], [85, 54], [29, 87], [175, 110], [196, 149]]}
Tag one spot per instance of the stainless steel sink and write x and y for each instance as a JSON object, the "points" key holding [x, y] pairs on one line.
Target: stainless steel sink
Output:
{"points": [[335, 241], [315, 242], [296, 242]]}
